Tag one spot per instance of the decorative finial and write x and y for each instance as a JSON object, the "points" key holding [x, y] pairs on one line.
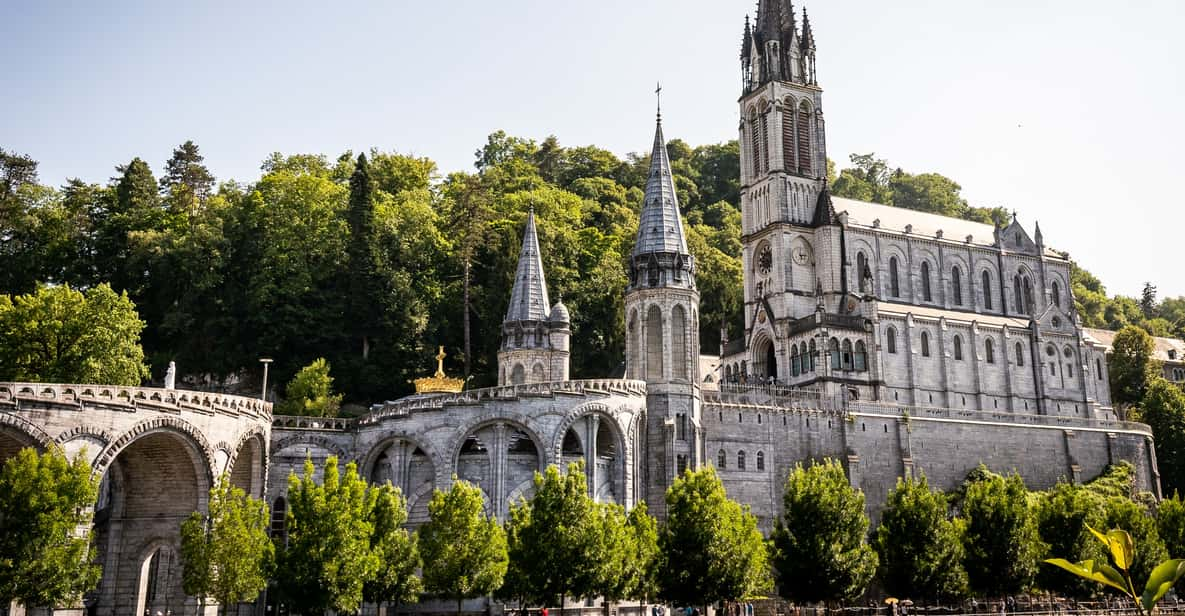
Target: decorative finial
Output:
{"points": [[658, 100], [440, 362]]}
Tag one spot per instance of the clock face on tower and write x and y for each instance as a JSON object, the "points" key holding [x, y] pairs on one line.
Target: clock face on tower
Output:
{"points": [[765, 260], [801, 255]]}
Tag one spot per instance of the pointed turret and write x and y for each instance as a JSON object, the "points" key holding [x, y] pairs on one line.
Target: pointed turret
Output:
{"points": [[808, 37], [528, 299], [535, 334], [746, 40], [1037, 237], [660, 227]]}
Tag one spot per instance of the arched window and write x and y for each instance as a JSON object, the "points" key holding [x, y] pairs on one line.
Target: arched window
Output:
{"points": [[861, 268], [1028, 296], [654, 345], [721, 459], [833, 351], [1017, 302], [956, 285], [989, 350], [741, 460], [1098, 368], [958, 347], [926, 296], [847, 354], [788, 149], [1069, 353], [761, 460], [1057, 294], [680, 364], [754, 142], [1052, 353], [518, 375], [794, 360], [987, 290], [811, 355], [891, 340], [925, 344], [279, 524], [765, 139], [861, 357], [804, 139], [894, 284], [537, 374], [1020, 355]]}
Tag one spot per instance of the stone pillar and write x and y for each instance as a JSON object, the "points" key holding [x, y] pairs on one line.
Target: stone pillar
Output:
{"points": [[591, 424], [499, 450]]}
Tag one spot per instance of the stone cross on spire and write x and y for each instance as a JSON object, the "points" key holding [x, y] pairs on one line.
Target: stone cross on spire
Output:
{"points": [[528, 299]]}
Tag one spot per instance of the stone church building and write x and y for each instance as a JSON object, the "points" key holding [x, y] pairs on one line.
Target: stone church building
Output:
{"points": [[894, 341]]}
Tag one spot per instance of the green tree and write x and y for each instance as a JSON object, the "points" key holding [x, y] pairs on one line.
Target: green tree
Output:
{"points": [[328, 557], [363, 316], [395, 582], [1148, 304], [615, 575], [1063, 514], [919, 547], [1170, 524], [187, 182], [464, 550], [310, 392], [1130, 365], [643, 564], [1163, 409], [562, 539], [927, 192], [821, 552], [1001, 540], [227, 555], [1138, 521], [60, 335], [711, 548], [44, 561]]}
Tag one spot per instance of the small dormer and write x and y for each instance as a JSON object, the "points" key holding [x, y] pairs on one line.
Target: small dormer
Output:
{"points": [[1014, 238]]}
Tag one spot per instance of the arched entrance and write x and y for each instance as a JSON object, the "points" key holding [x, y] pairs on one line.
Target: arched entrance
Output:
{"points": [[765, 361], [247, 472], [501, 458], [408, 467], [605, 468], [146, 491]]}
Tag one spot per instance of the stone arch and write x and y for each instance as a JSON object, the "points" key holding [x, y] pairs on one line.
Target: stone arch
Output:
{"points": [[518, 374], [17, 433], [311, 439], [163, 423], [153, 476], [765, 358], [505, 451], [159, 570], [247, 466], [621, 435], [538, 375]]}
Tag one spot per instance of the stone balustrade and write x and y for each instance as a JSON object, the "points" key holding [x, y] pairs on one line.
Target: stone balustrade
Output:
{"points": [[15, 396], [608, 387], [300, 422]]}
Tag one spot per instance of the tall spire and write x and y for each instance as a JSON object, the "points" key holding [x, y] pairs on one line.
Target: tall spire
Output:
{"points": [[660, 228], [528, 299], [808, 38]]}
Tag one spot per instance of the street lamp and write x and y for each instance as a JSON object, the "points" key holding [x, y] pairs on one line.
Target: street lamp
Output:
{"points": [[265, 361]]}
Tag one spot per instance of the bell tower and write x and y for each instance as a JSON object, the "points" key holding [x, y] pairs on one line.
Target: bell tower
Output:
{"points": [[662, 332]]}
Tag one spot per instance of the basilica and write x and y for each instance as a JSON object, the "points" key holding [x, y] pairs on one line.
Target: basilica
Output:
{"points": [[894, 341]]}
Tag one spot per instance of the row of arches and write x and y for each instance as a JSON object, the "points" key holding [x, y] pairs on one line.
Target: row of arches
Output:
{"points": [[741, 460], [150, 479], [989, 346], [648, 348], [797, 135], [1022, 286]]}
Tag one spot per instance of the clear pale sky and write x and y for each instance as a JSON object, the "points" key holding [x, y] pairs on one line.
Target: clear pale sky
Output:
{"points": [[1070, 111]]}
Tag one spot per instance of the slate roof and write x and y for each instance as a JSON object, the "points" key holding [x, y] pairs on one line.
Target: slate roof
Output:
{"points": [[528, 299], [923, 224], [660, 227], [1160, 350]]}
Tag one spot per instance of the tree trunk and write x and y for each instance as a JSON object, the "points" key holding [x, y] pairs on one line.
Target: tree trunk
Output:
{"points": [[459, 599], [465, 320], [365, 348]]}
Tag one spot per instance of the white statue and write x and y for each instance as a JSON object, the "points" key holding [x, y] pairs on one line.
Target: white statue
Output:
{"points": [[171, 376]]}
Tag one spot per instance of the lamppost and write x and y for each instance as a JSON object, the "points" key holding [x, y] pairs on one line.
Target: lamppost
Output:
{"points": [[265, 361]]}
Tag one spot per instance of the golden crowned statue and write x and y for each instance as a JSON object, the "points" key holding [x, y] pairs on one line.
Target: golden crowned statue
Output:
{"points": [[439, 383]]}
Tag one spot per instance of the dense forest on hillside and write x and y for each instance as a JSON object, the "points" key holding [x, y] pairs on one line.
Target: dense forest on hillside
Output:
{"points": [[368, 260]]}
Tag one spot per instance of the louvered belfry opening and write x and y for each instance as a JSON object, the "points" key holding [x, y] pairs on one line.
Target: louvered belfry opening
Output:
{"points": [[804, 140], [789, 155]]}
